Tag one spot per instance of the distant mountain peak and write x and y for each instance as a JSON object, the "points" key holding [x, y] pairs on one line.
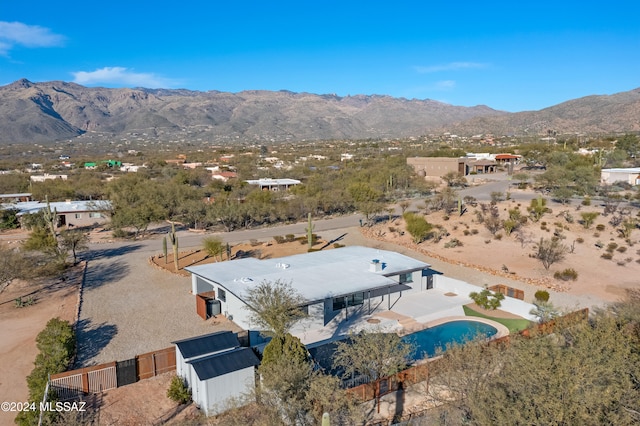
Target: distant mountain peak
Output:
{"points": [[52, 111]]}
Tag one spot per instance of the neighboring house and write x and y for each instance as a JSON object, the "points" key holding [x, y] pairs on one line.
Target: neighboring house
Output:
{"points": [[336, 285], [70, 213], [224, 176], [46, 176], [216, 369], [508, 158], [438, 166], [15, 198], [268, 184], [629, 175]]}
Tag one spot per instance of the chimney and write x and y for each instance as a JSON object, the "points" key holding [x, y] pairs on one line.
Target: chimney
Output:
{"points": [[375, 266]]}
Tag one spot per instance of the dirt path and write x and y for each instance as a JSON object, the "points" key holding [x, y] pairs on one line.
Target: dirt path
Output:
{"points": [[20, 327]]}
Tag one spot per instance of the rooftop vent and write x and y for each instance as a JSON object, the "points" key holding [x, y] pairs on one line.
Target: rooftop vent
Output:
{"points": [[375, 266], [244, 280], [282, 265]]}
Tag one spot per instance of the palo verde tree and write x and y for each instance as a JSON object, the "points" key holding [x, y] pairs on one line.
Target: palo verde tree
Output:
{"points": [[214, 247], [550, 251]]}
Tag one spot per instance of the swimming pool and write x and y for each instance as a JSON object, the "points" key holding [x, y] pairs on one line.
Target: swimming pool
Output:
{"points": [[429, 341]]}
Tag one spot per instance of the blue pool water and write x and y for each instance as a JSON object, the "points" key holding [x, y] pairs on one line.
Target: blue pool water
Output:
{"points": [[427, 342]]}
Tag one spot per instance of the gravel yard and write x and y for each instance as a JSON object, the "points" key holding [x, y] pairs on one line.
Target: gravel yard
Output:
{"points": [[130, 307]]}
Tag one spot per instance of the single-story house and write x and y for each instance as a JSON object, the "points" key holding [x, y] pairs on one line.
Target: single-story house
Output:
{"points": [[336, 285], [47, 176], [439, 166], [268, 184], [629, 175], [216, 369], [21, 197], [70, 213]]}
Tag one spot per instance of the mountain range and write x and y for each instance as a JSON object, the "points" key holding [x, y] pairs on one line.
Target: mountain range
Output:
{"points": [[53, 111]]}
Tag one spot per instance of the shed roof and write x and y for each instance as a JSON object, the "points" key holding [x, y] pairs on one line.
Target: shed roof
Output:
{"points": [[207, 344], [315, 276], [223, 363]]}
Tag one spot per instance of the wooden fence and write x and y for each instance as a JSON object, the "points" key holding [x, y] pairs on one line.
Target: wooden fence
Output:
{"points": [[74, 384], [508, 291], [153, 363]]}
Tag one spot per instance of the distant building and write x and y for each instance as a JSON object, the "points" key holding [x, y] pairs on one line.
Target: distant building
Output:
{"points": [[628, 175], [268, 184], [15, 198], [70, 213], [438, 166], [47, 176]]}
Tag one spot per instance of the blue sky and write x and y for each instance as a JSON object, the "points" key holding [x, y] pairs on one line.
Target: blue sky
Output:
{"points": [[512, 56]]}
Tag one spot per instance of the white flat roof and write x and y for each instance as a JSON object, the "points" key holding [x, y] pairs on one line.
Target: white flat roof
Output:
{"points": [[623, 170], [315, 276], [59, 206], [269, 181]]}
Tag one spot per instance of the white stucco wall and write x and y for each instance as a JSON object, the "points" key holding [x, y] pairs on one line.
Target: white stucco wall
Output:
{"points": [[509, 304]]}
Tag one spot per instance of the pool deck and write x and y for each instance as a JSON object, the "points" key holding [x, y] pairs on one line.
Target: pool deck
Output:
{"points": [[410, 312]]}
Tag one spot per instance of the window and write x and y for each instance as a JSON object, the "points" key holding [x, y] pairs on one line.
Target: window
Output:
{"points": [[78, 215], [406, 278], [95, 215], [222, 295], [350, 300]]}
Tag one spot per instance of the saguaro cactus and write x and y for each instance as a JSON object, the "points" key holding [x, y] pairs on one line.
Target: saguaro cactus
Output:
{"points": [[310, 227], [164, 248], [174, 243]]}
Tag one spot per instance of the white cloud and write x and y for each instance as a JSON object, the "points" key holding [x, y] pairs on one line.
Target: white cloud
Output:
{"points": [[120, 76], [18, 34], [452, 66], [444, 85]]}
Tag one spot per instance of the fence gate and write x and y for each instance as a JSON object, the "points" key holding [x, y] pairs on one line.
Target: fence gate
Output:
{"points": [[102, 380], [126, 372], [67, 388]]}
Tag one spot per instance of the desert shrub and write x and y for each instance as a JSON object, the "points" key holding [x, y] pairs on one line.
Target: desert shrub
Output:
{"points": [[474, 232], [279, 239], [466, 232], [580, 240], [498, 237], [454, 242], [621, 249], [290, 238], [337, 245], [542, 295], [57, 344], [600, 227], [121, 233], [586, 201], [178, 391], [487, 241], [566, 275], [611, 247], [607, 256]]}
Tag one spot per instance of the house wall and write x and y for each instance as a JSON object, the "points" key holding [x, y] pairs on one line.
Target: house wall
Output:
{"points": [[220, 390], [231, 307], [610, 176], [509, 304], [83, 218], [435, 166]]}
